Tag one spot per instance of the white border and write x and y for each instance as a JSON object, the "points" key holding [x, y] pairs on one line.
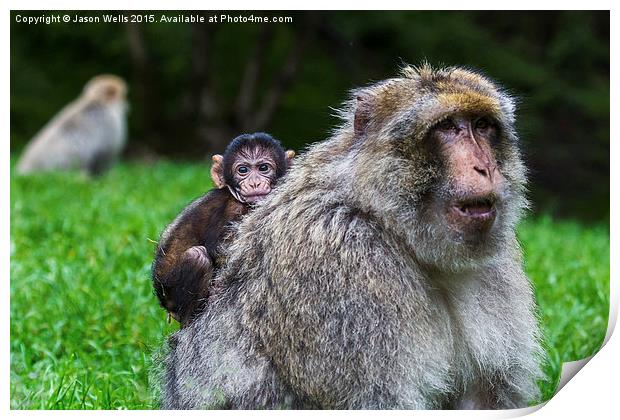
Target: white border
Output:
{"points": [[592, 393]]}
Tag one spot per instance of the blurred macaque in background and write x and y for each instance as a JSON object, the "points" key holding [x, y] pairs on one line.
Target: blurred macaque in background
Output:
{"points": [[86, 135]]}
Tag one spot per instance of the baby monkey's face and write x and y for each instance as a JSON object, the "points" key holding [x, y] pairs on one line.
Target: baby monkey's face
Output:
{"points": [[251, 166], [254, 171]]}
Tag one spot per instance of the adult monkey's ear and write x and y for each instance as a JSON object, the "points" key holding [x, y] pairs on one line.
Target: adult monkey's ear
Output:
{"points": [[363, 113], [217, 171], [289, 158]]}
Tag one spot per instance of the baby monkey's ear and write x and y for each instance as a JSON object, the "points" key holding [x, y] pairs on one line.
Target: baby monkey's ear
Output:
{"points": [[217, 171], [289, 158]]}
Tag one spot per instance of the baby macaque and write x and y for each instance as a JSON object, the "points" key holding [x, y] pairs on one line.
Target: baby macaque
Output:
{"points": [[188, 252]]}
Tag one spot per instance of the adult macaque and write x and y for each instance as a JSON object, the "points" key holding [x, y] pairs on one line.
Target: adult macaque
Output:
{"points": [[87, 135], [189, 250], [384, 272]]}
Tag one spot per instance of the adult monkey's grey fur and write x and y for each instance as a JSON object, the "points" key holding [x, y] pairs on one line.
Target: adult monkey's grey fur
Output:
{"points": [[348, 289], [88, 134]]}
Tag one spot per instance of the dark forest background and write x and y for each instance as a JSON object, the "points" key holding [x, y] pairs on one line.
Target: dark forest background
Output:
{"points": [[195, 86]]}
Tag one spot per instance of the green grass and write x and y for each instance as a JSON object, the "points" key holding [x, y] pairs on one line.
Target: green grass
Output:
{"points": [[84, 320], [569, 265]]}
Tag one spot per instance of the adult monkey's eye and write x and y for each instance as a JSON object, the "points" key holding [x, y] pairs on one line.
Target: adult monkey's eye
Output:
{"points": [[242, 170], [446, 124], [482, 124], [263, 168]]}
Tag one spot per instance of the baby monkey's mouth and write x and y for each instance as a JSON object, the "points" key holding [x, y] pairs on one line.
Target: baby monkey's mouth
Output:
{"points": [[255, 197]]}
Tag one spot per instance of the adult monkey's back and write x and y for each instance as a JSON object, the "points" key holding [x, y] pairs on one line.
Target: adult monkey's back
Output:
{"points": [[384, 272]]}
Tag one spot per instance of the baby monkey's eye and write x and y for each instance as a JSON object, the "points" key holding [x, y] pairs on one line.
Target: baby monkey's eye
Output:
{"points": [[242, 170], [263, 168]]}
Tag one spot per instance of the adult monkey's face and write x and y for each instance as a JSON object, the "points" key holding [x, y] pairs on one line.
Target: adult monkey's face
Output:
{"points": [[441, 149], [474, 185]]}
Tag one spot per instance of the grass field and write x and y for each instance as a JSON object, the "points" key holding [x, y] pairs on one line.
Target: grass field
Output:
{"points": [[84, 321]]}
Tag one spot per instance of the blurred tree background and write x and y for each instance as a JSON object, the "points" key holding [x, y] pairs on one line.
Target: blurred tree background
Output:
{"points": [[195, 86]]}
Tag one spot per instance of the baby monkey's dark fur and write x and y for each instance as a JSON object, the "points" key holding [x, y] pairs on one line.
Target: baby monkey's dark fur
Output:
{"points": [[188, 253]]}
